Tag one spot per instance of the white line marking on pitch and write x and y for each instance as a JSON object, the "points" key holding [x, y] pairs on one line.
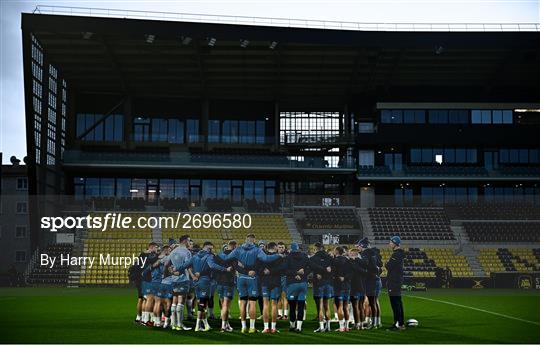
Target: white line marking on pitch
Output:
{"points": [[477, 309]]}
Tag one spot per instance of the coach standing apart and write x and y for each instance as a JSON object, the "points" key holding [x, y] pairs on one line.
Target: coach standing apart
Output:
{"points": [[394, 268]]}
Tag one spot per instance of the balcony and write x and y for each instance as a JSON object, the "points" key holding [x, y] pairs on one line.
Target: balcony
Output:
{"points": [[265, 162], [448, 173]]}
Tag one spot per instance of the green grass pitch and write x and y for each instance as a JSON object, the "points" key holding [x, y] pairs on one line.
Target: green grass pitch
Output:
{"points": [[105, 315]]}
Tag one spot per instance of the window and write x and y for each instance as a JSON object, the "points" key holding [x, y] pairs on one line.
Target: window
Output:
{"points": [[20, 232], [366, 127], [507, 116], [109, 129], [213, 131], [20, 256], [305, 127], [21, 207], [22, 183], [476, 117], [438, 116], [495, 117], [193, 130], [416, 156], [458, 116]]}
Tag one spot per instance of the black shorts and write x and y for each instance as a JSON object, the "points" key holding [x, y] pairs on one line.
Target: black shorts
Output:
{"points": [[138, 284]]}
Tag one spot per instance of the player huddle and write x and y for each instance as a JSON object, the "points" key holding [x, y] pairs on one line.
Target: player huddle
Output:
{"points": [[184, 276]]}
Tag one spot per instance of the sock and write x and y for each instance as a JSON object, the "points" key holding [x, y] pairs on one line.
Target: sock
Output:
{"points": [[180, 314], [328, 324], [244, 324], [274, 324], [280, 312], [335, 316], [266, 325], [251, 323], [321, 324], [341, 323], [190, 306], [299, 324], [286, 312], [198, 323], [373, 320], [378, 320], [205, 322], [173, 315], [138, 317], [144, 316], [293, 324], [301, 305], [223, 324]]}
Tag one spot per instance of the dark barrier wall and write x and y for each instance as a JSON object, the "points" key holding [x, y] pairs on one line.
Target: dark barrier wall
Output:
{"points": [[516, 280]]}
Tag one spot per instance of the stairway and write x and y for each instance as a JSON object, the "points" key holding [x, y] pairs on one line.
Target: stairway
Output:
{"points": [[295, 234], [467, 249], [367, 229], [75, 272]]}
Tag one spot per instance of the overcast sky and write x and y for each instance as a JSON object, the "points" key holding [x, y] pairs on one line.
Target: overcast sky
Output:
{"points": [[12, 129]]}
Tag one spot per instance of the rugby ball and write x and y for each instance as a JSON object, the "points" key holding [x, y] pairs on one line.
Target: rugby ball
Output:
{"points": [[412, 323]]}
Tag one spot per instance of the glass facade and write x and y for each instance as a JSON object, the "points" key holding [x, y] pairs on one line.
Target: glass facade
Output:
{"points": [[99, 127], [495, 117], [306, 127], [237, 131], [450, 155], [519, 156], [445, 116], [168, 130], [443, 194], [37, 95], [403, 116], [192, 189]]}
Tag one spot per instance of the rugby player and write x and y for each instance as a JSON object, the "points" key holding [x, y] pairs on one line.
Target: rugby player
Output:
{"points": [[283, 306], [248, 281], [270, 279], [323, 289], [225, 286], [342, 285], [180, 282], [297, 264], [202, 265]]}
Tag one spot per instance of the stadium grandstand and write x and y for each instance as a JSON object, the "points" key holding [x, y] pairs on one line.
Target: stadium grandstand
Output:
{"points": [[320, 133]]}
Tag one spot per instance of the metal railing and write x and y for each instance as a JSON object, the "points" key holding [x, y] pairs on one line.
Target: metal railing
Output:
{"points": [[285, 22]]}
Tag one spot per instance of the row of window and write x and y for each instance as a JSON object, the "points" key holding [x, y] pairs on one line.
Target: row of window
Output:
{"points": [[192, 189], [449, 155], [443, 116], [444, 194], [519, 156], [171, 130], [110, 129], [237, 131]]}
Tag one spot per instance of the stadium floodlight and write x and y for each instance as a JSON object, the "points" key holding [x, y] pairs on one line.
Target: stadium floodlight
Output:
{"points": [[273, 45], [527, 110], [439, 159], [244, 43], [134, 191], [149, 38], [185, 40], [87, 35], [211, 41]]}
